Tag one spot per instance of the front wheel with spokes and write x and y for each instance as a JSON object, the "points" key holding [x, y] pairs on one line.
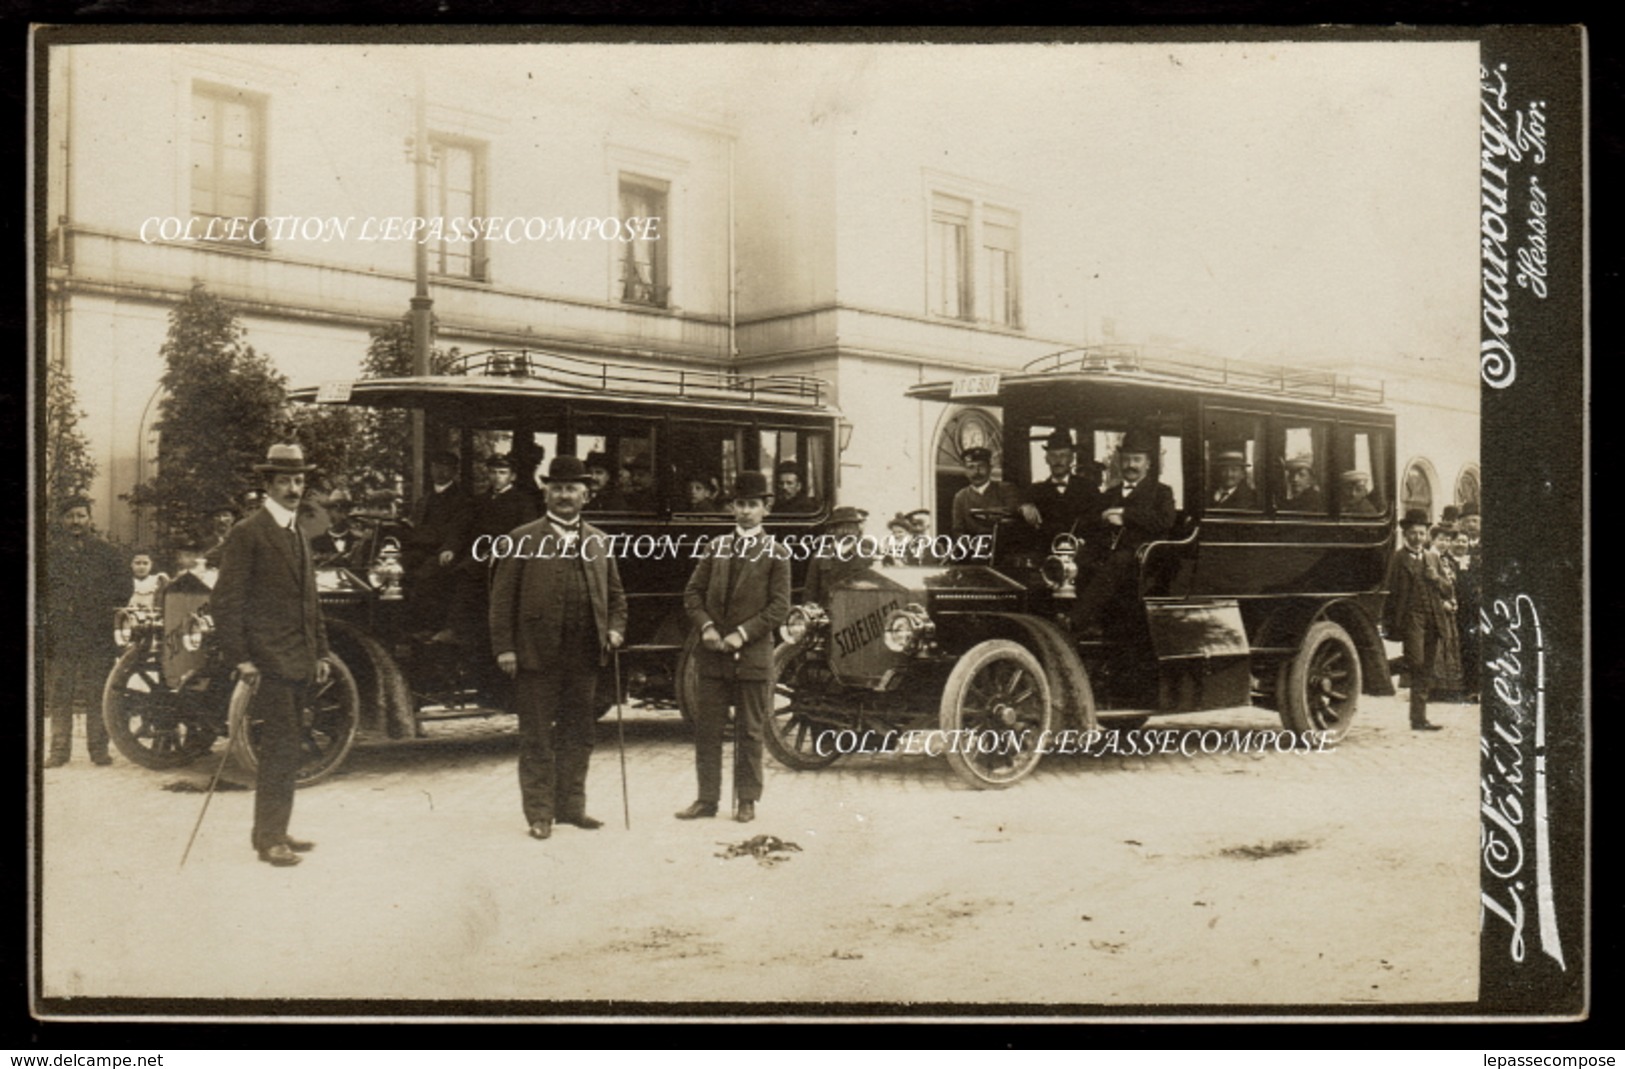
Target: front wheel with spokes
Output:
{"points": [[1319, 688], [995, 713]]}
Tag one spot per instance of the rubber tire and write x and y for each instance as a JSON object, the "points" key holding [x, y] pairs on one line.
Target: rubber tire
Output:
{"points": [[1326, 654], [118, 711], [340, 683], [800, 753], [984, 770]]}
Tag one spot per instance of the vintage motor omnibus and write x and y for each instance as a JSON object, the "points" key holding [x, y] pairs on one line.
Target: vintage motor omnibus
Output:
{"points": [[672, 442], [1270, 598]]}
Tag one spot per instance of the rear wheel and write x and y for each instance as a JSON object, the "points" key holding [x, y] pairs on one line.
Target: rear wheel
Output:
{"points": [[794, 728], [327, 724], [1319, 688], [149, 723], [996, 713]]}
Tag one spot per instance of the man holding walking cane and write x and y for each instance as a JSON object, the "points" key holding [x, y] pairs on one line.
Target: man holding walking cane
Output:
{"points": [[270, 625], [557, 612], [738, 596]]}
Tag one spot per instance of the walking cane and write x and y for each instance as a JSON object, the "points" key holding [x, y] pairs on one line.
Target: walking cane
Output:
{"points": [[733, 781], [620, 737], [225, 756]]}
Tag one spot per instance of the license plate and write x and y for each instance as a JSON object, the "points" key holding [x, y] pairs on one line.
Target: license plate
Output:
{"points": [[975, 386], [334, 392]]}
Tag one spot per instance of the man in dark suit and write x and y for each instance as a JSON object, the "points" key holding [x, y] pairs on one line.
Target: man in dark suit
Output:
{"points": [[1230, 489], [439, 532], [1417, 610], [737, 597], [1065, 500], [270, 626], [502, 508], [1138, 510], [557, 608]]}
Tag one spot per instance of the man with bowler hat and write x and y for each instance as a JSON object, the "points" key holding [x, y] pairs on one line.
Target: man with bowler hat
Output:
{"points": [[557, 612], [1138, 510], [501, 509], [737, 597], [270, 625], [1417, 609], [1056, 504]]}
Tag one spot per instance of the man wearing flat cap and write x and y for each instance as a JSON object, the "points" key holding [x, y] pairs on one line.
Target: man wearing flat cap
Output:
{"points": [[837, 558], [1421, 596], [84, 582], [557, 611], [270, 626], [983, 493], [1230, 489], [1065, 501], [1303, 492], [1354, 495]]}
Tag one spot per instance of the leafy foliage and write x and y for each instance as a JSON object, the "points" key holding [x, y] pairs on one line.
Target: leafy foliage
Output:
{"points": [[223, 404], [69, 469], [381, 458]]}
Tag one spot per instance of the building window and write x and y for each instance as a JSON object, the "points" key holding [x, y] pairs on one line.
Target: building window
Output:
{"points": [[456, 191], [644, 261], [974, 273], [1417, 488], [228, 146]]}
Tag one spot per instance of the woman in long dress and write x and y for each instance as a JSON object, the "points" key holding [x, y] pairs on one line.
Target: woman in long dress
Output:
{"points": [[1447, 677]]}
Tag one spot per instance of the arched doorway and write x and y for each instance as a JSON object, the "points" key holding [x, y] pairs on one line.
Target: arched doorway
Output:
{"points": [[962, 430], [1468, 487], [1416, 489]]}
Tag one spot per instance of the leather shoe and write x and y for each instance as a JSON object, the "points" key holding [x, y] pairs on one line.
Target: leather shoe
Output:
{"points": [[55, 762], [1426, 726], [298, 846], [698, 810], [101, 759], [747, 812], [542, 829], [280, 856], [583, 821]]}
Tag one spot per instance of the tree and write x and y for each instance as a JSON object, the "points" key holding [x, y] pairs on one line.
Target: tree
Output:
{"points": [[382, 455], [68, 467], [223, 404]]}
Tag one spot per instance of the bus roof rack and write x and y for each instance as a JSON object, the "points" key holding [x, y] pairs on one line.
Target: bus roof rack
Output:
{"points": [[1174, 365], [602, 376]]}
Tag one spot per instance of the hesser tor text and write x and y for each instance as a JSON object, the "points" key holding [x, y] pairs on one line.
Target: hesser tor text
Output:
{"points": [[943, 549]]}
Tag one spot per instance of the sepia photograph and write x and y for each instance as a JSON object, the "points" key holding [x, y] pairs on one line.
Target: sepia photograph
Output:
{"points": [[581, 528]]}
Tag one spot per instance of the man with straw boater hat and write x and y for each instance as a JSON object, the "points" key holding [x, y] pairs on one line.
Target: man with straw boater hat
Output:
{"points": [[270, 626], [738, 596], [558, 611]]}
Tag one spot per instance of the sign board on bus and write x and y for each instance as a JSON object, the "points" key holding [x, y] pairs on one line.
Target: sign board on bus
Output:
{"points": [[334, 392], [976, 386]]}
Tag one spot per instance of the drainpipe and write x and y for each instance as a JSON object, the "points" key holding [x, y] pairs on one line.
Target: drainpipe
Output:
{"points": [[733, 274]]}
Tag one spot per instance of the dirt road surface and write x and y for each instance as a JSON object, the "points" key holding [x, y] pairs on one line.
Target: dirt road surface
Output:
{"points": [[1345, 879]]}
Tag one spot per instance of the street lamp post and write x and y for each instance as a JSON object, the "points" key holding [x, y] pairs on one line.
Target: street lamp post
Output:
{"points": [[422, 303]]}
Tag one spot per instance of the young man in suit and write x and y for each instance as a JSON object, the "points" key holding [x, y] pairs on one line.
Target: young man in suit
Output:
{"points": [[270, 626], [557, 610], [1063, 501], [1417, 609], [737, 597], [1138, 510]]}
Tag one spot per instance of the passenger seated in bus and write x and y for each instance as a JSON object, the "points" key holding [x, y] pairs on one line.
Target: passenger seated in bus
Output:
{"points": [[1138, 510], [500, 509], [1302, 491], [793, 498], [602, 494], [1230, 489], [1064, 500], [637, 483], [984, 494], [701, 490], [1354, 495]]}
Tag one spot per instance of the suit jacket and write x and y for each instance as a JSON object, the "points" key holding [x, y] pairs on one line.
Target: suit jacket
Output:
{"points": [[744, 592], [1242, 497], [86, 579], [498, 514], [1148, 514], [1416, 586], [1072, 511], [526, 599], [995, 495], [264, 603], [441, 522]]}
